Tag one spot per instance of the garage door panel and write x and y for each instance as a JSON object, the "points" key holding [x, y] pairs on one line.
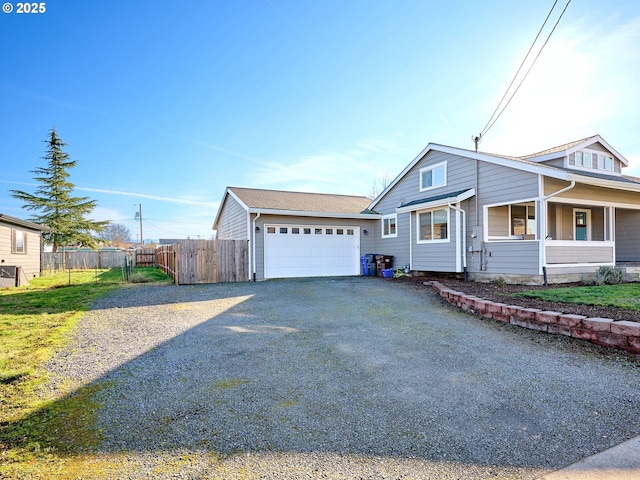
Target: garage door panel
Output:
{"points": [[312, 251]]}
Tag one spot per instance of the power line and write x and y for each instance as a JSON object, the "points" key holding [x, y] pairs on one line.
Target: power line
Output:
{"points": [[493, 120], [484, 130]]}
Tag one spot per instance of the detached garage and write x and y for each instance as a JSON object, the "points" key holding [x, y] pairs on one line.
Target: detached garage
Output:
{"points": [[296, 234]]}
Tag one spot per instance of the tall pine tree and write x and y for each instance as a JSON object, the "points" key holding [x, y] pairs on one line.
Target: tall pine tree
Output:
{"points": [[54, 204]]}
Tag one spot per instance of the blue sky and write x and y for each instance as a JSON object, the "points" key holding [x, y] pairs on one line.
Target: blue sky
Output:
{"points": [[164, 104]]}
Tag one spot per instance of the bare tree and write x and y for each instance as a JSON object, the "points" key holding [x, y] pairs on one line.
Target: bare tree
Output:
{"points": [[117, 234], [379, 184]]}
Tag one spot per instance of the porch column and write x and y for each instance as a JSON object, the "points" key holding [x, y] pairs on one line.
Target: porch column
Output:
{"points": [[542, 228]]}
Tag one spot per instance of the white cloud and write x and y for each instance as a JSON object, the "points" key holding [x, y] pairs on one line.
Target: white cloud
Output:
{"points": [[352, 171], [584, 83], [144, 195]]}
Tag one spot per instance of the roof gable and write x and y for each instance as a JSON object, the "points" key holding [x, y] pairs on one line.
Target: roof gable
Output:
{"points": [[572, 147], [533, 163]]}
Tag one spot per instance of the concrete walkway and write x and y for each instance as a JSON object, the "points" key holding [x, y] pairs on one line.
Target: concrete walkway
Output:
{"points": [[621, 462]]}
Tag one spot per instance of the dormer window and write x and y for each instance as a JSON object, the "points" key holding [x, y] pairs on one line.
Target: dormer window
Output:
{"points": [[605, 162], [594, 160], [433, 176]]}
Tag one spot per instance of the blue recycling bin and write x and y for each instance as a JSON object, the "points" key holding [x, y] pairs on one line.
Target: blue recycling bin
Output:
{"points": [[365, 266], [370, 259]]}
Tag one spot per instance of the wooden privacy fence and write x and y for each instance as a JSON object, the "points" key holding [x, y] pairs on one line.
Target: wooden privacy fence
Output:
{"points": [[145, 257], [205, 261]]}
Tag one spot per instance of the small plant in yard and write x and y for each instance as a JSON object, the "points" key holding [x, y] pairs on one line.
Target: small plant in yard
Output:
{"points": [[499, 282], [606, 275]]}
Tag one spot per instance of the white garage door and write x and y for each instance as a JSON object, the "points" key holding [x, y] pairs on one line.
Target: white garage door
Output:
{"points": [[311, 251]]}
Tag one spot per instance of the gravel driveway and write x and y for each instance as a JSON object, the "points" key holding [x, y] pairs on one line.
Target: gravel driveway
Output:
{"points": [[338, 378]]}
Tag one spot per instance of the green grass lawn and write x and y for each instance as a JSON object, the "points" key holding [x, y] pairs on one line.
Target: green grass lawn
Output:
{"points": [[34, 322], [625, 295]]}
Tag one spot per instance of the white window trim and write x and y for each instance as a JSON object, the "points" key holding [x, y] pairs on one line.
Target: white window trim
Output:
{"points": [[446, 240], [393, 216], [14, 242], [434, 167], [590, 167]]}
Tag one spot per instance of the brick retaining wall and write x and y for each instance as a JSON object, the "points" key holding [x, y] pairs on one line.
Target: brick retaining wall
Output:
{"points": [[622, 334]]}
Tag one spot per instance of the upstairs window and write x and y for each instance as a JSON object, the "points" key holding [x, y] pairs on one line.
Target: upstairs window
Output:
{"points": [[598, 161], [390, 226], [433, 176]]}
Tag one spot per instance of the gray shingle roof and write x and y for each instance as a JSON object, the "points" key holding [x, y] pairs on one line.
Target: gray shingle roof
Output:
{"points": [[300, 201]]}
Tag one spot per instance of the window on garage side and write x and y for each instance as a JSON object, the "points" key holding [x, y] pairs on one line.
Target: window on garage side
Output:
{"points": [[390, 226], [433, 225], [19, 241], [271, 229]]}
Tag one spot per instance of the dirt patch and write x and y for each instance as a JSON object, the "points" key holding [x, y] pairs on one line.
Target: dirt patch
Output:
{"points": [[504, 294]]}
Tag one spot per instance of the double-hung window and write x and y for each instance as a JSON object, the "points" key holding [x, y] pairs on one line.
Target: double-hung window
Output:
{"points": [[390, 226], [433, 225], [433, 176]]}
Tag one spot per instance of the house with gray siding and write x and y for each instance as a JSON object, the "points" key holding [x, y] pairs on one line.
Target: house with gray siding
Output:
{"points": [[555, 216], [20, 251]]}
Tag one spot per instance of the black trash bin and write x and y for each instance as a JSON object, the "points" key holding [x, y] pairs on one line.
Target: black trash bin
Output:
{"points": [[383, 262], [370, 259]]}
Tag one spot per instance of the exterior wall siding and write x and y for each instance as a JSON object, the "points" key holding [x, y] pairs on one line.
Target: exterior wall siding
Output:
{"points": [[559, 162], [29, 261], [426, 257], [627, 235], [512, 258], [597, 195], [232, 224], [499, 184], [435, 256], [581, 254]]}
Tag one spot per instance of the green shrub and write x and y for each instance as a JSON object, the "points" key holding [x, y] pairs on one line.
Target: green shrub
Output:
{"points": [[499, 282], [608, 275]]}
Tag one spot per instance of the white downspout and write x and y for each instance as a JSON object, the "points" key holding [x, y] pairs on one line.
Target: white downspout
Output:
{"points": [[464, 234], [410, 242], [543, 227], [253, 248]]}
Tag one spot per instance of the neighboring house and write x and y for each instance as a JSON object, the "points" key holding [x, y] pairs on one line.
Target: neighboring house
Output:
{"points": [[556, 215], [20, 246], [295, 234]]}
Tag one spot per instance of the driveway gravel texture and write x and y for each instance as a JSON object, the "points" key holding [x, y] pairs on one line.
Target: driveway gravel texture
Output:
{"points": [[337, 378]]}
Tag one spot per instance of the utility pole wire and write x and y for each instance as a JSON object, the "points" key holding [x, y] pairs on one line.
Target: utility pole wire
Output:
{"points": [[488, 127], [484, 130]]}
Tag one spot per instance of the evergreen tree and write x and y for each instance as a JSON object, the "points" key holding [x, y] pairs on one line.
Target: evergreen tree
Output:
{"points": [[55, 207]]}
